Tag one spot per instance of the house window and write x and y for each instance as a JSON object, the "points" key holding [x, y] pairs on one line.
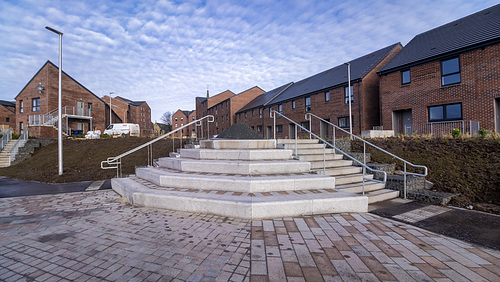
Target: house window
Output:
{"points": [[89, 106], [344, 122], [21, 126], [346, 95], [245, 116], [450, 71], [182, 119], [21, 106], [176, 120], [405, 77], [280, 108], [36, 105], [7, 119], [252, 112], [293, 104], [260, 113], [259, 128], [279, 128], [193, 118], [308, 104], [445, 112], [176, 125], [304, 124], [327, 96]]}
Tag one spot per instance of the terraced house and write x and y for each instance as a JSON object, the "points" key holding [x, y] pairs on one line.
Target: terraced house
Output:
{"points": [[181, 118], [326, 95], [446, 78]]}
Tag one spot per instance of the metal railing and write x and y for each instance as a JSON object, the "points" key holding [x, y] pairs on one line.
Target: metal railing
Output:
{"points": [[7, 136], [116, 162], [19, 143], [444, 128], [365, 143], [326, 143]]}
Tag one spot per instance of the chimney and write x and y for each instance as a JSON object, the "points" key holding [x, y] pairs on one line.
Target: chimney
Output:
{"points": [[208, 95]]}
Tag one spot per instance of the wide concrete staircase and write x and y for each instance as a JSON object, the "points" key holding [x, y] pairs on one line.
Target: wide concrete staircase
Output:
{"points": [[4, 154], [248, 179], [348, 177]]}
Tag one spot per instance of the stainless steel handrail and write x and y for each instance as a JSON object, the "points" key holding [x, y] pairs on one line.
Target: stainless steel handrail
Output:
{"points": [[378, 148], [273, 115], [13, 151], [7, 136], [115, 162]]}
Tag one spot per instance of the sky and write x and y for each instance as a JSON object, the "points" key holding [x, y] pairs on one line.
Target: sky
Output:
{"points": [[169, 52]]}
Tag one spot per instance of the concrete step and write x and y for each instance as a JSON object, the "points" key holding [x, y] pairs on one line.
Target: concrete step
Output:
{"points": [[302, 146], [311, 158], [350, 179], [238, 144], [236, 183], [232, 154], [299, 141], [235, 167], [318, 165], [381, 195], [346, 170], [358, 187], [327, 151], [236, 204]]}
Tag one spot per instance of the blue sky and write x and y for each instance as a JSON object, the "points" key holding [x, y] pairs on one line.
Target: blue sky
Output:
{"points": [[167, 52]]}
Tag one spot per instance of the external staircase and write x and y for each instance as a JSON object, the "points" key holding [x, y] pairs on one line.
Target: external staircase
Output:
{"points": [[5, 154], [348, 177], [249, 179]]}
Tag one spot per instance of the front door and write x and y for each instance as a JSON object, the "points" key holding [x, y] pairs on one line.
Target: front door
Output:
{"points": [[79, 108], [402, 122], [269, 132], [291, 130], [325, 129]]}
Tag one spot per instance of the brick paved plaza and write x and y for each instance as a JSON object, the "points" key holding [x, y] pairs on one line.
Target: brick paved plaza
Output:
{"points": [[93, 236]]}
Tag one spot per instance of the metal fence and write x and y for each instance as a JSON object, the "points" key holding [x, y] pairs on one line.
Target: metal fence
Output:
{"points": [[444, 128]]}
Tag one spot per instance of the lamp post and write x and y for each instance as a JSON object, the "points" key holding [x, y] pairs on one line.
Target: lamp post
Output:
{"points": [[59, 111], [349, 89], [110, 108]]}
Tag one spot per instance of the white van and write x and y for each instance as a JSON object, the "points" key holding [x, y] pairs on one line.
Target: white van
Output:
{"points": [[123, 129]]}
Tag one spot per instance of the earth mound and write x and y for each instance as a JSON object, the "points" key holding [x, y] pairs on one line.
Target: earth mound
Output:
{"points": [[239, 131]]}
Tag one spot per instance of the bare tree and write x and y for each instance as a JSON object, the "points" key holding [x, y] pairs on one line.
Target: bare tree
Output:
{"points": [[166, 118]]}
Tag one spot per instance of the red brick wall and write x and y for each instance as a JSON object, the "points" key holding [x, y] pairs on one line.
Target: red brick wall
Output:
{"points": [[480, 85], [178, 120], [72, 92], [7, 113]]}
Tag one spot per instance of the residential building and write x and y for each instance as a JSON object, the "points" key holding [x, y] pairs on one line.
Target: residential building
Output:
{"points": [[37, 105], [181, 118], [129, 111], [160, 129], [224, 111], [7, 115], [202, 105], [326, 95], [445, 78]]}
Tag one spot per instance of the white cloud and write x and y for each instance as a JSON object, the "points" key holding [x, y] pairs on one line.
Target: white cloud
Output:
{"points": [[166, 53]]}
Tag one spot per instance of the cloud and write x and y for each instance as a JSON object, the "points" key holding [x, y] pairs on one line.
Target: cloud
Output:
{"points": [[166, 52]]}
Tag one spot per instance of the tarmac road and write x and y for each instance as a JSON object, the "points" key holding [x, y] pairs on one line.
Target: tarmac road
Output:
{"points": [[17, 188]]}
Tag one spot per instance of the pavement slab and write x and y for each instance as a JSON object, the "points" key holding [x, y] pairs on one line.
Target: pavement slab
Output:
{"points": [[98, 236]]}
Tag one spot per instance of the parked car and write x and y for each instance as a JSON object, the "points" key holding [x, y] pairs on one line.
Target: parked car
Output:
{"points": [[123, 129]]}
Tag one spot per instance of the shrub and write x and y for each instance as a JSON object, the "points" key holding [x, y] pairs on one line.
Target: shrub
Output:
{"points": [[455, 133], [483, 132], [106, 136]]}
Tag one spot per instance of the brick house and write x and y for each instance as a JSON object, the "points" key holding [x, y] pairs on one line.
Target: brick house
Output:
{"points": [[161, 128], [445, 78], [37, 105], [129, 111], [224, 112], [181, 118], [7, 115], [202, 105], [325, 95]]}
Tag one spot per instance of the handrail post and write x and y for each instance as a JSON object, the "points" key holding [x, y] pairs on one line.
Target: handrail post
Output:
{"points": [[296, 145], [324, 159], [404, 179], [274, 124], [310, 127]]}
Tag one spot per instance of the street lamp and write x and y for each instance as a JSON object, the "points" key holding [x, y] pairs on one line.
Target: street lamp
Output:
{"points": [[110, 108], [59, 111], [349, 89]]}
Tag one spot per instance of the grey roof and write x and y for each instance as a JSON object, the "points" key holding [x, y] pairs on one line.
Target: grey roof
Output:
{"points": [[264, 98], [133, 103], [473, 31], [7, 103], [187, 113], [336, 76], [201, 99]]}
